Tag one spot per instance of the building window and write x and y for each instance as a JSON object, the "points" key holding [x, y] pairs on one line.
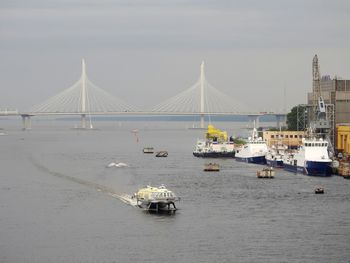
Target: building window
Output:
{"points": [[272, 136]]}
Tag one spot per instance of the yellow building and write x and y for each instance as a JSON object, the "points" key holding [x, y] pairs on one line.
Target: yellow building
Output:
{"points": [[343, 138], [290, 138]]}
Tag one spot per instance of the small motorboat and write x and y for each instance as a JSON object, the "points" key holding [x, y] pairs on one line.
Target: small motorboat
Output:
{"points": [[211, 167], [162, 154], [267, 172], [148, 150], [319, 190]]}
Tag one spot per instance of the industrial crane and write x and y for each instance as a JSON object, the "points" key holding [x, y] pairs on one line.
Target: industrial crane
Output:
{"points": [[320, 123]]}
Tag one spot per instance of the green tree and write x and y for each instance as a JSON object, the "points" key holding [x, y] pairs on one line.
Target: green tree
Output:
{"points": [[292, 118]]}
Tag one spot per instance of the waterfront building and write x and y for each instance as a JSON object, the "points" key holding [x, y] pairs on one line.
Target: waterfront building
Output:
{"points": [[343, 138], [290, 138]]}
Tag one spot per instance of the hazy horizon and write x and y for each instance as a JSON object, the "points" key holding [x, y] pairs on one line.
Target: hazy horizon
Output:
{"points": [[143, 52]]}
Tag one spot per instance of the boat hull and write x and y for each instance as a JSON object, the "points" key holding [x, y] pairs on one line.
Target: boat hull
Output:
{"points": [[252, 159], [214, 154], [161, 206], [311, 168], [274, 163]]}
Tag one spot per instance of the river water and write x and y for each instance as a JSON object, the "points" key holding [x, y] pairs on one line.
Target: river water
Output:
{"points": [[56, 206]]}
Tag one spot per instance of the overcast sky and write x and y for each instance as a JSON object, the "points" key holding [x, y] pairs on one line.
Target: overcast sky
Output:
{"points": [[258, 52]]}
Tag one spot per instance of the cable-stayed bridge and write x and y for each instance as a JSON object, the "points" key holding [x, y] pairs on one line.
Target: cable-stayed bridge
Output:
{"points": [[86, 99]]}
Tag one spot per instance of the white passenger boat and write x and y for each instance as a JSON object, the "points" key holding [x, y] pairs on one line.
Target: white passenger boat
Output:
{"points": [[156, 199], [311, 158], [253, 151]]}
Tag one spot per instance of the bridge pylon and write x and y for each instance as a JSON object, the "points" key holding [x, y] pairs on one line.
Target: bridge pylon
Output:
{"points": [[202, 80], [84, 102]]}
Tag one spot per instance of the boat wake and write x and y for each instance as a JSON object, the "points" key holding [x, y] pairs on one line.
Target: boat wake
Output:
{"points": [[117, 165], [100, 188]]}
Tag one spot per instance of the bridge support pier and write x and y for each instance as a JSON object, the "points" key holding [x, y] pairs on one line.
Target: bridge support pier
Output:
{"points": [[202, 121], [27, 122], [255, 120], [83, 121]]}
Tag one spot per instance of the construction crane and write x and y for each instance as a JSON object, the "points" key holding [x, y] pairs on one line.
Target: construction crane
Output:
{"points": [[319, 121]]}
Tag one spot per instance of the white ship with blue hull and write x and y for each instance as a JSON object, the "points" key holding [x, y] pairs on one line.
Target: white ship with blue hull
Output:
{"points": [[253, 151], [311, 159], [274, 160], [274, 155]]}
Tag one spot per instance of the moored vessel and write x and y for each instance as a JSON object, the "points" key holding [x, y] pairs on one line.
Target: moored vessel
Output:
{"points": [[311, 158], [253, 151], [216, 145], [156, 199], [274, 155]]}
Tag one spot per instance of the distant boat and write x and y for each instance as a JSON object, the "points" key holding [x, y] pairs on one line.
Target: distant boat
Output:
{"points": [[148, 150], [211, 167], [319, 190], [162, 154], [268, 172]]}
